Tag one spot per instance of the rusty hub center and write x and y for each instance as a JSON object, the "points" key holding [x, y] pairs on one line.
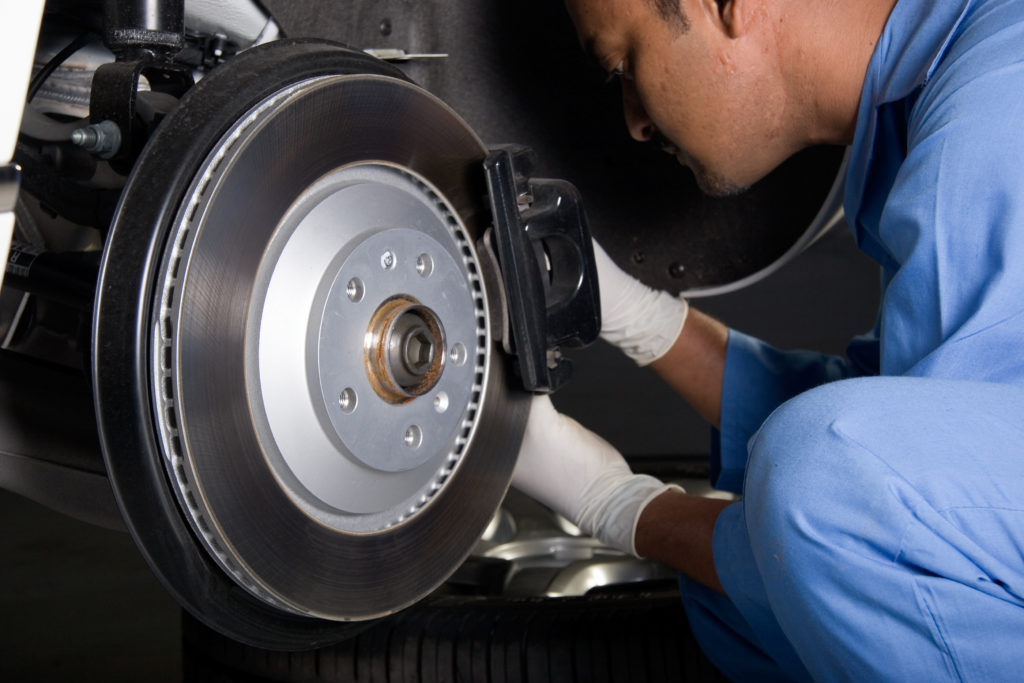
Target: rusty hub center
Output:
{"points": [[404, 349]]}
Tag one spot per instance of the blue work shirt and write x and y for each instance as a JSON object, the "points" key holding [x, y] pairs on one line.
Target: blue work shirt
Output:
{"points": [[934, 194]]}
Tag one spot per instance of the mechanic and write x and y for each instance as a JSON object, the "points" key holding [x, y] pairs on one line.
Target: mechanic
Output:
{"points": [[880, 532]]}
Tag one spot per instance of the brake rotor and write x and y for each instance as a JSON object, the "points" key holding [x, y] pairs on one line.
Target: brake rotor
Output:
{"points": [[330, 412]]}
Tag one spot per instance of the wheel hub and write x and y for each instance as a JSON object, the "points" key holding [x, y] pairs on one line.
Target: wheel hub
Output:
{"points": [[404, 350], [368, 302]]}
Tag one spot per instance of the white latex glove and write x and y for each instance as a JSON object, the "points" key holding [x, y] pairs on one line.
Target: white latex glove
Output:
{"points": [[641, 321], [582, 477]]}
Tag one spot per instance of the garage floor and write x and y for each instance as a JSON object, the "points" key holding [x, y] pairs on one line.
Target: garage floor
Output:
{"points": [[79, 604]]}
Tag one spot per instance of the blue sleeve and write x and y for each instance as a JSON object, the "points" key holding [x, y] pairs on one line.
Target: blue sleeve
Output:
{"points": [[758, 378], [954, 218]]}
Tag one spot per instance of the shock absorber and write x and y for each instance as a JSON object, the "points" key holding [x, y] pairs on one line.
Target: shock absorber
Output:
{"points": [[145, 35], [144, 29]]}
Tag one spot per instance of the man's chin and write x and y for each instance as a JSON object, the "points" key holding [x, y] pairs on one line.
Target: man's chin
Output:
{"points": [[711, 183], [719, 187]]}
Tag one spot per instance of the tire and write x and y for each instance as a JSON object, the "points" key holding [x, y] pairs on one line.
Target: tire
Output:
{"points": [[636, 637]]}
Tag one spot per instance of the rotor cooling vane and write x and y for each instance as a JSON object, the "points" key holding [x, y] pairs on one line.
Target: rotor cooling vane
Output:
{"points": [[317, 394]]}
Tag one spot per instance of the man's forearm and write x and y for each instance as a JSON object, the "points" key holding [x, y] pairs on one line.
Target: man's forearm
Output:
{"points": [[695, 364], [676, 529]]}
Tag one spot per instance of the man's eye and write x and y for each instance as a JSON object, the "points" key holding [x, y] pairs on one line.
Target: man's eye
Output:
{"points": [[619, 71]]}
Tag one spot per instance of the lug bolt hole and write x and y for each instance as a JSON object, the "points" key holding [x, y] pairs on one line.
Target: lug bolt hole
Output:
{"points": [[355, 290], [413, 437], [441, 402], [348, 400], [424, 265], [458, 354]]}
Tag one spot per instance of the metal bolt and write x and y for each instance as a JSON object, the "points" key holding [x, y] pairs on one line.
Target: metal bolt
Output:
{"points": [[387, 260], [102, 139], [418, 353], [385, 27], [676, 270]]}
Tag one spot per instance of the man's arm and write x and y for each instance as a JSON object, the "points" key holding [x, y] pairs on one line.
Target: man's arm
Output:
{"points": [[585, 479], [677, 529], [581, 476], [695, 364], [685, 347]]}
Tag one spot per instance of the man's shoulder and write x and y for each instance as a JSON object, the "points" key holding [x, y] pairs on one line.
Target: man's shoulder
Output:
{"points": [[987, 43], [972, 95]]}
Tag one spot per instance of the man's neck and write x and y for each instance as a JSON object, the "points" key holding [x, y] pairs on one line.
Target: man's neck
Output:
{"points": [[828, 47]]}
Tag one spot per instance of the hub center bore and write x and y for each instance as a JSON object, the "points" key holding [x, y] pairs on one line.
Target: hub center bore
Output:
{"points": [[404, 349]]}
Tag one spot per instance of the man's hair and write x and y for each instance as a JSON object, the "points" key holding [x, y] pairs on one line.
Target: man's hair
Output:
{"points": [[672, 12]]}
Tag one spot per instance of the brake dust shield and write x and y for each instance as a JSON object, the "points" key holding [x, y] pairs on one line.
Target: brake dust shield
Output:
{"points": [[328, 407]]}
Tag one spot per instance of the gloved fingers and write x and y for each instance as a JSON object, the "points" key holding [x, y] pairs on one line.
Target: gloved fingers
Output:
{"points": [[642, 321], [560, 457], [616, 287], [579, 475], [539, 470]]}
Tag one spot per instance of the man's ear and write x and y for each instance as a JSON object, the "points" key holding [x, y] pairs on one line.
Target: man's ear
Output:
{"points": [[729, 16]]}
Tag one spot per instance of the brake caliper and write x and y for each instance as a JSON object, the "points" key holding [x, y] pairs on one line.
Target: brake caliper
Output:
{"points": [[543, 248]]}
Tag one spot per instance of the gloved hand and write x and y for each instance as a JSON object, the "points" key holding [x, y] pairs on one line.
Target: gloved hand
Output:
{"points": [[582, 477], [641, 321]]}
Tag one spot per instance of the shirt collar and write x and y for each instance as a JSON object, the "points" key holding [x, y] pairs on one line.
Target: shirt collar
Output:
{"points": [[909, 50]]}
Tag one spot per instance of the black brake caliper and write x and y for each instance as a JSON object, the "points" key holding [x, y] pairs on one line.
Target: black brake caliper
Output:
{"points": [[546, 258]]}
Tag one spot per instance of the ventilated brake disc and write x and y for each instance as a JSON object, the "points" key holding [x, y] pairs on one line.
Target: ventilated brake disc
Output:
{"points": [[316, 390]]}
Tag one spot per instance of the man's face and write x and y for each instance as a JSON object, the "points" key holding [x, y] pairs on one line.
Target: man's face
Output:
{"points": [[707, 89]]}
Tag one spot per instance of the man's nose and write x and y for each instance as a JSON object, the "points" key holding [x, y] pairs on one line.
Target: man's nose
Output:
{"points": [[640, 126]]}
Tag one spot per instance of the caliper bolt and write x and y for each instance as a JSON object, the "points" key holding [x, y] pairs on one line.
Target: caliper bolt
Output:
{"points": [[102, 139]]}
